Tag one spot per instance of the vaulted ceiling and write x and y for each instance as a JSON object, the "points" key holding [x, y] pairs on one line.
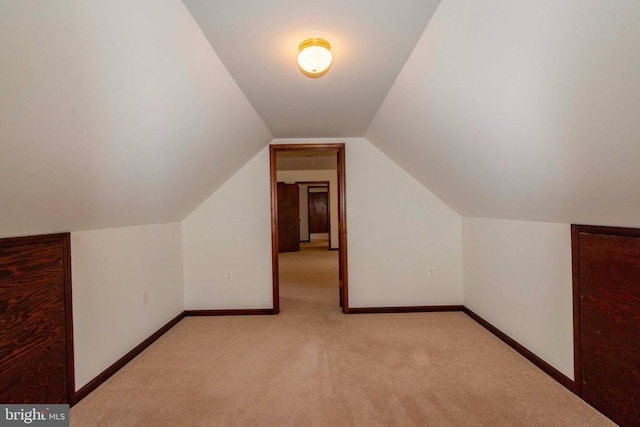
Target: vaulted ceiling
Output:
{"points": [[258, 43], [113, 113], [523, 110], [118, 113]]}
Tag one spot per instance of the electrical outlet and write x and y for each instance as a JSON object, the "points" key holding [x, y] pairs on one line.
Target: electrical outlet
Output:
{"points": [[145, 297], [432, 271], [228, 275]]}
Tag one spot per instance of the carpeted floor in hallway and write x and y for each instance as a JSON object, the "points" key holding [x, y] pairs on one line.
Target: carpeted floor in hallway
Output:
{"points": [[312, 365]]}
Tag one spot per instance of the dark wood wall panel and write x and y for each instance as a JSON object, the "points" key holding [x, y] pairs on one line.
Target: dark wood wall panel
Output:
{"points": [[288, 217], [608, 307], [40, 382], [318, 212], [35, 320]]}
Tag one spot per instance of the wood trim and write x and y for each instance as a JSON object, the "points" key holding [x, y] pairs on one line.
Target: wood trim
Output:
{"points": [[544, 366], [403, 309], [328, 146], [107, 373], [65, 240], [273, 178], [577, 336], [342, 227], [611, 231], [339, 148], [31, 240], [234, 312], [68, 303]]}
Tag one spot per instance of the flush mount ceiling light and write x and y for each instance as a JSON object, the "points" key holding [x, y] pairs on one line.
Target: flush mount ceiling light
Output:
{"points": [[315, 57]]}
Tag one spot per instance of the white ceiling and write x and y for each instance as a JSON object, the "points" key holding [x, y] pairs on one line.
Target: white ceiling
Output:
{"points": [[523, 110], [116, 113], [258, 40], [113, 113]]}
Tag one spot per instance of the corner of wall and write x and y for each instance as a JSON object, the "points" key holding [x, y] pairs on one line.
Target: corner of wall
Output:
{"points": [[231, 232], [405, 244], [127, 283], [517, 276]]}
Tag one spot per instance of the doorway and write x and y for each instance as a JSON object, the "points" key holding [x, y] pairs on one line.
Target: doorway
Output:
{"points": [[606, 310], [341, 232]]}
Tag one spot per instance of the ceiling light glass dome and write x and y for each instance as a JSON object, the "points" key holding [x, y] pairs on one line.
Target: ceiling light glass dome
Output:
{"points": [[315, 57]]}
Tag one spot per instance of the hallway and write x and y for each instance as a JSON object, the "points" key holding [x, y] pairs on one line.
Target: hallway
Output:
{"points": [[309, 279]]}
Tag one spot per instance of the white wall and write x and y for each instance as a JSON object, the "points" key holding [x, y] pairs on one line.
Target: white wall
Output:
{"points": [[517, 276], [400, 231], [113, 113], [397, 231], [110, 270], [319, 175], [522, 110], [231, 231]]}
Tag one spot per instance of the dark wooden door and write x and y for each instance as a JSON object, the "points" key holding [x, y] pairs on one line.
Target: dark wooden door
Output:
{"points": [[288, 217], [36, 347], [318, 213], [609, 319]]}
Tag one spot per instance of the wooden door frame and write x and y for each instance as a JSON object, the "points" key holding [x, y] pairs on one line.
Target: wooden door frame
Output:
{"points": [[576, 230], [65, 240], [339, 149]]}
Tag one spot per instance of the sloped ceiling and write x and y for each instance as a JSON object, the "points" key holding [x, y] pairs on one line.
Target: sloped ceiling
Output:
{"points": [[117, 113], [113, 113], [258, 40], [523, 109]]}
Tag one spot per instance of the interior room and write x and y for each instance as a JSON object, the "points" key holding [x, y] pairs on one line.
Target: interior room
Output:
{"points": [[479, 161]]}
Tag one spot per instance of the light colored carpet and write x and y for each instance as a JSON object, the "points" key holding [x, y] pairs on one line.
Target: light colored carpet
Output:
{"points": [[312, 365]]}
